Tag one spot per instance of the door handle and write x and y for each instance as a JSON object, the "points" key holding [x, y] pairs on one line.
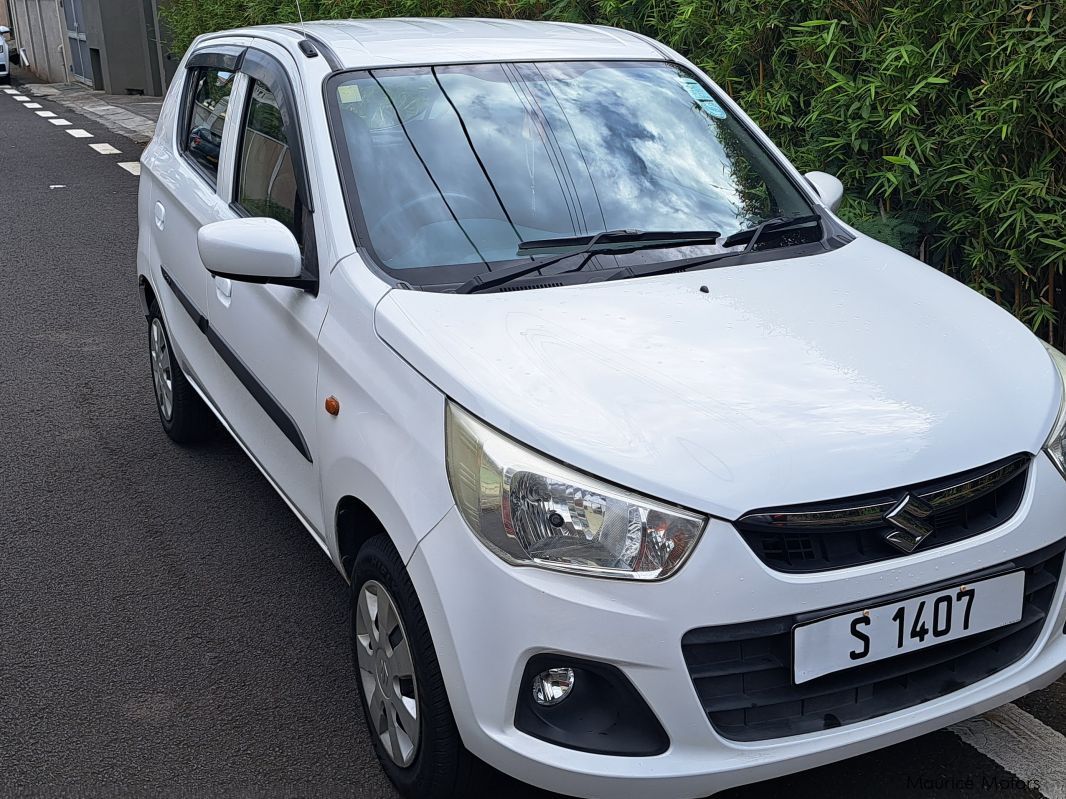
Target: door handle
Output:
{"points": [[224, 289], [160, 215]]}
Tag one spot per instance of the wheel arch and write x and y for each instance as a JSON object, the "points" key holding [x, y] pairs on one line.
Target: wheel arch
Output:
{"points": [[358, 503], [356, 524], [145, 293]]}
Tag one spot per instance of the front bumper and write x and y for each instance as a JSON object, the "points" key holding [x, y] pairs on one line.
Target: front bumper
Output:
{"points": [[488, 619]]}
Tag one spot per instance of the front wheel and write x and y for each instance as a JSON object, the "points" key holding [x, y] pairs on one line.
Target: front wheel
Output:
{"points": [[400, 684]]}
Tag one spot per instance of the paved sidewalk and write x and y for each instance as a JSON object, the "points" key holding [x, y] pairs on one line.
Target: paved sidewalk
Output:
{"points": [[134, 116]]}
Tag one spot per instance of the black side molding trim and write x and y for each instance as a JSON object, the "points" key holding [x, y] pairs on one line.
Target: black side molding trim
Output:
{"points": [[278, 415], [259, 392], [186, 302]]}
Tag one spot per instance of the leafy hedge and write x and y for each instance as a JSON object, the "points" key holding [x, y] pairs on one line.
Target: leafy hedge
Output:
{"points": [[946, 119]]}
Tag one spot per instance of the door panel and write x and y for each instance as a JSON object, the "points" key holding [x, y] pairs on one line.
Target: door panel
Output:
{"points": [[185, 198], [268, 334]]}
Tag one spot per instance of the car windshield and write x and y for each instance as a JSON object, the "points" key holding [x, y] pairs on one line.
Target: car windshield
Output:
{"points": [[457, 165]]}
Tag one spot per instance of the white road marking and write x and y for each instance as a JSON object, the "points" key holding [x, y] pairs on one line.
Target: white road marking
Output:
{"points": [[133, 167], [1021, 744], [46, 114], [21, 98], [32, 105], [105, 149], [59, 122], [11, 91], [78, 133], [58, 186]]}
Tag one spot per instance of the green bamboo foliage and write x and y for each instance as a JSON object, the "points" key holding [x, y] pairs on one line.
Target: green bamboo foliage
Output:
{"points": [[946, 119]]}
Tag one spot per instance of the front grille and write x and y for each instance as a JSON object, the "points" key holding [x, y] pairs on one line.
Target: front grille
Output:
{"points": [[743, 672], [850, 532]]}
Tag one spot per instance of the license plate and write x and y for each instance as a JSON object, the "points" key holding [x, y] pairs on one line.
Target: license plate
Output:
{"points": [[884, 631]]}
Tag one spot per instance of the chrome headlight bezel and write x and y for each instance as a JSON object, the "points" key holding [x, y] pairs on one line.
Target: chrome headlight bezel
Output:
{"points": [[531, 510], [1055, 446]]}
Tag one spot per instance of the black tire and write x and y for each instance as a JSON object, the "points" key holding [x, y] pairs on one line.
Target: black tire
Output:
{"points": [[189, 420], [5, 80], [442, 767]]}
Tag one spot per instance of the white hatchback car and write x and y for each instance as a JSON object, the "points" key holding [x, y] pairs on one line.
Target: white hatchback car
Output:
{"points": [[650, 476], [5, 58]]}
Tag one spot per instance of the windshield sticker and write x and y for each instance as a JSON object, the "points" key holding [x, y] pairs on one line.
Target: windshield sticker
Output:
{"points": [[703, 97], [349, 93]]}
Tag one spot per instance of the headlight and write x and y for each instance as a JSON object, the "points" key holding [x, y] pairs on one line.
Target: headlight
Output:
{"points": [[531, 510], [1056, 443]]}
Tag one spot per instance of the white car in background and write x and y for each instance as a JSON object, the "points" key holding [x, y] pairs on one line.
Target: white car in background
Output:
{"points": [[5, 59], [651, 477]]}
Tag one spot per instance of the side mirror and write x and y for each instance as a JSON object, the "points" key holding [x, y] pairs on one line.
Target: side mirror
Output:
{"points": [[4, 30], [256, 250], [829, 188]]}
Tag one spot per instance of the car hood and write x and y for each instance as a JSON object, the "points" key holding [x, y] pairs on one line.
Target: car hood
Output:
{"points": [[744, 387]]}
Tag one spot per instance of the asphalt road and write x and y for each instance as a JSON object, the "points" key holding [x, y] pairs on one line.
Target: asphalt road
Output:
{"points": [[167, 628]]}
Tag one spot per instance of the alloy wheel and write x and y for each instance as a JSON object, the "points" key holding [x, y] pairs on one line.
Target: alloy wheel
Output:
{"points": [[387, 673], [162, 370]]}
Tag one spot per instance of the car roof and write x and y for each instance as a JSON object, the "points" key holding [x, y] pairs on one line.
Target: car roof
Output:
{"points": [[411, 41]]}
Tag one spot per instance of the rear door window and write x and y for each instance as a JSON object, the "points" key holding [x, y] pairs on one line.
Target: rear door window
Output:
{"points": [[205, 118]]}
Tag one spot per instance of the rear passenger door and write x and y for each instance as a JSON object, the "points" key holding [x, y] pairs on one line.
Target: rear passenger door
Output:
{"points": [[268, 334], [186, 179]]}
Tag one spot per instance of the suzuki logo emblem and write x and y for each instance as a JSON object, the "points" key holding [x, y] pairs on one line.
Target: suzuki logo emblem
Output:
{"points": [[911, 517]]}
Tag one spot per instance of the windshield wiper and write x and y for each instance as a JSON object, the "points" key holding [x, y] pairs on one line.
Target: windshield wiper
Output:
{"points": [[777, 224], [609, 241], [622, 238], [751, 234]]}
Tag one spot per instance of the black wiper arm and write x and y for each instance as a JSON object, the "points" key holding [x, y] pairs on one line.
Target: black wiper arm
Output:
{"points": [[776, 224], [620, 239], [609, 241], [751, 234]]}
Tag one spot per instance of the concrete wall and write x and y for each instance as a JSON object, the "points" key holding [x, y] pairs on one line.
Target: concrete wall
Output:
{"points": [[41, 34], [123, 50], [119, 32]]}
